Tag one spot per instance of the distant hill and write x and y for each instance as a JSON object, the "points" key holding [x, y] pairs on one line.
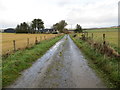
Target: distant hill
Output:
{"points": [[101, 28]]}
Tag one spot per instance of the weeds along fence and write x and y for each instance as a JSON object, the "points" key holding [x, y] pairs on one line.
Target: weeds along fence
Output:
{"points": [[107, 61], [100, 46], [15, 44]]}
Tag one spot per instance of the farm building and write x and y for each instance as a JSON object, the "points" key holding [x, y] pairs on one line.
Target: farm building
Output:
{"points": [[9, 30], [48, 31]]}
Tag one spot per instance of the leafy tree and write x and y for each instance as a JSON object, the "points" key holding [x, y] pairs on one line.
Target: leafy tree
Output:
{"points": [[55, 26], [23, 28], [40, 24], [78, 28], [60, 26], [37, 24], [32, 28], [34, 25], [18, 29]]}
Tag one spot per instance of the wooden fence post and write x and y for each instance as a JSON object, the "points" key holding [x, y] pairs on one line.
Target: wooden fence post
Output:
{"points": [[44, 38], [103, 38], [14, 45], [104, 45], [87, 35], [41, 38], [84, 34], [36, 40], [92, 35], [27, 42]]}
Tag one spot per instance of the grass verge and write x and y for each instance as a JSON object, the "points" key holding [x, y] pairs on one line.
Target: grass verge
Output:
{"points": [[23, 59], [106, 67]]}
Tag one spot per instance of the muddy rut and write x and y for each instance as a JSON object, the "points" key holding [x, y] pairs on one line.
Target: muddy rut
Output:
{"points": [[63, 66]]}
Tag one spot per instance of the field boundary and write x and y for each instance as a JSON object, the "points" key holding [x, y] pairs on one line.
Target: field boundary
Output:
{"points": [[103, 47], [112, 37], [27, 43], [20, 60]]}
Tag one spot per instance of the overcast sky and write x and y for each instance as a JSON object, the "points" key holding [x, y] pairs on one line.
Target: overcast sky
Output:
{"points": [[87, 13]]}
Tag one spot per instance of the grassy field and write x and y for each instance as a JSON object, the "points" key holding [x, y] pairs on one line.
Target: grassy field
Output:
{"points": [[21, 40], [111, 36], [22, 59]]}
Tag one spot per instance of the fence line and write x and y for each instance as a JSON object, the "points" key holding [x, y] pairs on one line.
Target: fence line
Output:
{"points": [[103, 47], [28, 44]]}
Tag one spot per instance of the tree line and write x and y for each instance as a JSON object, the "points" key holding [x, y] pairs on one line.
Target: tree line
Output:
{"points": [[33, 27], [37, 25]]}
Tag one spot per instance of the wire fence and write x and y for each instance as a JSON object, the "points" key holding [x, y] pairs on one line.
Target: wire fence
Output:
{"points": [[12, 44], [102, 46]]}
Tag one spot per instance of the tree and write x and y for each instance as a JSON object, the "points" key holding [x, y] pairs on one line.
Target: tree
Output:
{"points": [[55, 26], [17, 29], [78, 28], [22, 28], [60, 26], [32, 28], [34, 25], [37, 24], [40, 24]]}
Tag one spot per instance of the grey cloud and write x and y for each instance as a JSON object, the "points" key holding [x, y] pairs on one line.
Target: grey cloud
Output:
{"points": [[85, 12], [100, 14]]}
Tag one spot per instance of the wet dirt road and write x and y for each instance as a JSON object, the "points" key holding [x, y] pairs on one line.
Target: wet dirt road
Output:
{"points": [[63, 66]]}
